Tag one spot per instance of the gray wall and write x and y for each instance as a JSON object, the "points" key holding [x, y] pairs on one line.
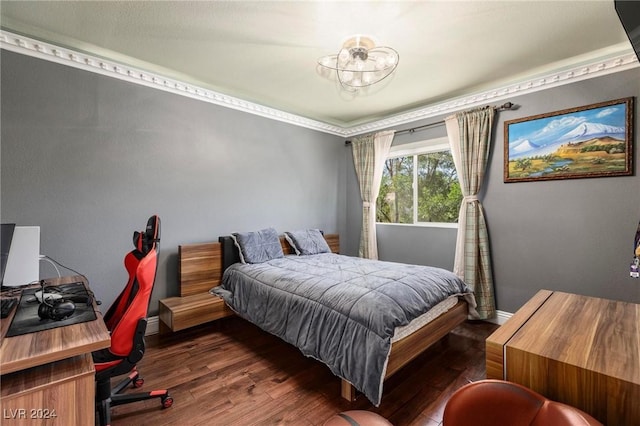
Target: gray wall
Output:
{"points": [[89, 158], [567, 235]]}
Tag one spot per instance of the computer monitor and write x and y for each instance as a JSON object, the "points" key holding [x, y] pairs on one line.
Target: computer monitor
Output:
{"points": [[20, 255], [6, 234]]}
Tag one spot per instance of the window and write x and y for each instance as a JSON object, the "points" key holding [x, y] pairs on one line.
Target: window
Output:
{"points": [[419, 185]]}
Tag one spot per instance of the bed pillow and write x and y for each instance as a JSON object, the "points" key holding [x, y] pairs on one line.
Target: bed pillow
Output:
{"points": [[308, 241], [258, 246]]}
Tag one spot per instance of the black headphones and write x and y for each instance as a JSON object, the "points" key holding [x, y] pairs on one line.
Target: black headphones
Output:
{"points": [[59, 308], [56, 310]]}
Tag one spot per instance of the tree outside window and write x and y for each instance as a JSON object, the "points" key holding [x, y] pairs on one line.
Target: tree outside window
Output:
{"points": [[395, 199], [419, 188]]}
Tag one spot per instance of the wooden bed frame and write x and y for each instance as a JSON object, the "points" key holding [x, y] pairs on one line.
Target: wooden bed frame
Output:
{"points": [[200, 267]]}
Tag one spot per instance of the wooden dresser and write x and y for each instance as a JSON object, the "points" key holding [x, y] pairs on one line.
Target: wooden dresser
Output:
{"points": [[582, 351]]}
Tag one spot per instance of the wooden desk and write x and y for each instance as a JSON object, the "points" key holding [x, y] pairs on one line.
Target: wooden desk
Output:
{"points": [[48, 376], [579, 350]]}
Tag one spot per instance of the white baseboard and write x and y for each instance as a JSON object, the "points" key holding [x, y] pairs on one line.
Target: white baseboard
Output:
{"points": [[501, 317], [153, 326]]}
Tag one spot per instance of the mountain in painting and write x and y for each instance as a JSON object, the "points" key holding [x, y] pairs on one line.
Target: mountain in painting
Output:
{"points": [[582, 132], [591, 130], [523, 146]]}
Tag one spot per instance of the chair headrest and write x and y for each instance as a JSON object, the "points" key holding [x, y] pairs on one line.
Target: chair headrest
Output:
{"points": [[146, 240]]}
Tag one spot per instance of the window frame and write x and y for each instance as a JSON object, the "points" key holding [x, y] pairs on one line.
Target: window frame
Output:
{"points": [[414, 149]]}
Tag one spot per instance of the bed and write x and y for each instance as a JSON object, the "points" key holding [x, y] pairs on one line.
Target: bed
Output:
{"points": [[318, 287]]}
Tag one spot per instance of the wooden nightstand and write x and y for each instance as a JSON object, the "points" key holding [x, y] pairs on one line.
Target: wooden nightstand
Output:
{"points": [[178, 313]]}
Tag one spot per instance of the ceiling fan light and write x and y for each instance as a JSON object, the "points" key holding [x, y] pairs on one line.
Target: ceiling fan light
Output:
{"points": [[359, 63]]}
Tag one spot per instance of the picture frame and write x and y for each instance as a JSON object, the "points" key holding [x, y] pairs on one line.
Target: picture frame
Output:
{"points": [[589, 141]]}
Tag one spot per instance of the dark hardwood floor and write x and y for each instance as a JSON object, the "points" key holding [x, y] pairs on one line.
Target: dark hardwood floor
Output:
{"points": [[229, 372]]}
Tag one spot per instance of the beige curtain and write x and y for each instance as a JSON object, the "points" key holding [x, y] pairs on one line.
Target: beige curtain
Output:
{"points": [[369, 154], [469, 134]]}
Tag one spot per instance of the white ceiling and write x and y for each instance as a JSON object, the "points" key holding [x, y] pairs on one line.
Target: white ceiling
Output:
{"points": [[265, 52]]}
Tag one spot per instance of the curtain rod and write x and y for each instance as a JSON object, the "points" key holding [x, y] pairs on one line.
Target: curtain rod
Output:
{"points": [[505, 106]]}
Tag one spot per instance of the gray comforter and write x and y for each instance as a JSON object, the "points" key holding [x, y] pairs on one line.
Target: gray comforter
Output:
{"points": [[340, 310]]}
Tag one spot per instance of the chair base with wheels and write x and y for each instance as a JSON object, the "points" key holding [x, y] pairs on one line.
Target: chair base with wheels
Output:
{"points": [[108, 397]]}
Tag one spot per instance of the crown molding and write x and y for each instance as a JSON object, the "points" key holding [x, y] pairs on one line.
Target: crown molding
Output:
{"points": [[35, 48]]}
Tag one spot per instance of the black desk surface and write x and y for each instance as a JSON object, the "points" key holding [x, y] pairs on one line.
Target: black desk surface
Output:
{"points": [[26, 319]]}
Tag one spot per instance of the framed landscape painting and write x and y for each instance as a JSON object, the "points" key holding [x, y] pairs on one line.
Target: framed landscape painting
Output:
{"points": [[589, 141]]}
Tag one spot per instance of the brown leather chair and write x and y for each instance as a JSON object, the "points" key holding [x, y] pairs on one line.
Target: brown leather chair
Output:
{"points": [[357, 418], [497, 402]]}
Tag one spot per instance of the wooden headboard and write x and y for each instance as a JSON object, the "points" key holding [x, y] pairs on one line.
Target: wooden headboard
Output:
{"points": [[200, 266]]}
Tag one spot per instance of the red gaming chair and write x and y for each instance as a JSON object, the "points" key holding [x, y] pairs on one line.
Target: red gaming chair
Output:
{"points": [[126, 319]]}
